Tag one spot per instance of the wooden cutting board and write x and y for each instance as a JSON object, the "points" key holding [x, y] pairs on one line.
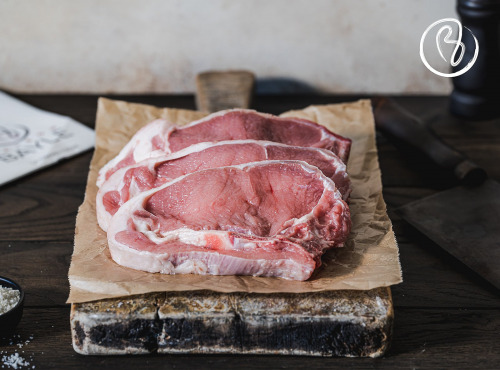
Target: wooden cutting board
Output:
{"points": [[332, 323]]}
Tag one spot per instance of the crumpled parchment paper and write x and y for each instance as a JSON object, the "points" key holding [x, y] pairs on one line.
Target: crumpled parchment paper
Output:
{"points": [[370, 258]]}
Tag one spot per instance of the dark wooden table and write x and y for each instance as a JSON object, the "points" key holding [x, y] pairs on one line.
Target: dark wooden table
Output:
{"points": [[445, 315]]}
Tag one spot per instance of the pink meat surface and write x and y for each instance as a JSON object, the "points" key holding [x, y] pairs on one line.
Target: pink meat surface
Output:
{"points": [[161, 137], [269, 218], [143, 176]]}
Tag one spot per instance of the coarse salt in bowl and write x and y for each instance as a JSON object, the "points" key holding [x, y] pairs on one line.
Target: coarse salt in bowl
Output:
{"points": [[11, 306]]}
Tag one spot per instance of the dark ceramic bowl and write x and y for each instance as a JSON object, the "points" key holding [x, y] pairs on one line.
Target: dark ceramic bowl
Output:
{"points": [[10, 319]]}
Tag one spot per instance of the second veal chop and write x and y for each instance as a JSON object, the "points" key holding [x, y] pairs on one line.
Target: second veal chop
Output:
{"points": [[132, 180], [160, 137], [268, 218]]}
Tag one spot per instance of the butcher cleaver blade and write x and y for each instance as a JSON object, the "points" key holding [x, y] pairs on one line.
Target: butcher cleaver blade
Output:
{"points": [[464, 220]]}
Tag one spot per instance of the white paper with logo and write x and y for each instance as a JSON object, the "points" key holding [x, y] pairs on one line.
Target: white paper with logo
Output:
{"points": [[31, 138]]}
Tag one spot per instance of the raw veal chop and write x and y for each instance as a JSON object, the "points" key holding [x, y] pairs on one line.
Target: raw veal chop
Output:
{"points": [[268, 218], [161, 137], [132, 180]]}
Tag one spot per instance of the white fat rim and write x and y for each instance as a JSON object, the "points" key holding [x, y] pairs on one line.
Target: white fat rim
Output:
{"points": [[136, 141]]}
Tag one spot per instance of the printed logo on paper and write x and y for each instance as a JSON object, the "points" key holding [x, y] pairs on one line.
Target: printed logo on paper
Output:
{"points": [[442, 31], [17, 142], [12, 135]]}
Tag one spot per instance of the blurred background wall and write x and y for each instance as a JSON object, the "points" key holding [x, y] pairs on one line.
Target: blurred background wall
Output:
{"points": [[158, 46]]}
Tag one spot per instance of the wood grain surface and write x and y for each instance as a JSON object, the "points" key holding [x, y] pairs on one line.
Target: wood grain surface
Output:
{"points": [[220, 90], [445, 315]]}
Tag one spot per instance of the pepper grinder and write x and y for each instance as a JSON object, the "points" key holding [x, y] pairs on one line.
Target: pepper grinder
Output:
{"points": [[476, 93]]}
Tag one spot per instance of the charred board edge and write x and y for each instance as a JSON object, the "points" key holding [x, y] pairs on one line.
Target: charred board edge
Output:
{"points": [[336, 323]]}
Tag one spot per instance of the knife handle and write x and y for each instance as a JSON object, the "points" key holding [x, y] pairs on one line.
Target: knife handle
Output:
{"points": [[398, 122]]}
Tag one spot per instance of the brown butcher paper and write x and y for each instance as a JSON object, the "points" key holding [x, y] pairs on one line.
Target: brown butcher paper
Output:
{"points": [[369, 259]]}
